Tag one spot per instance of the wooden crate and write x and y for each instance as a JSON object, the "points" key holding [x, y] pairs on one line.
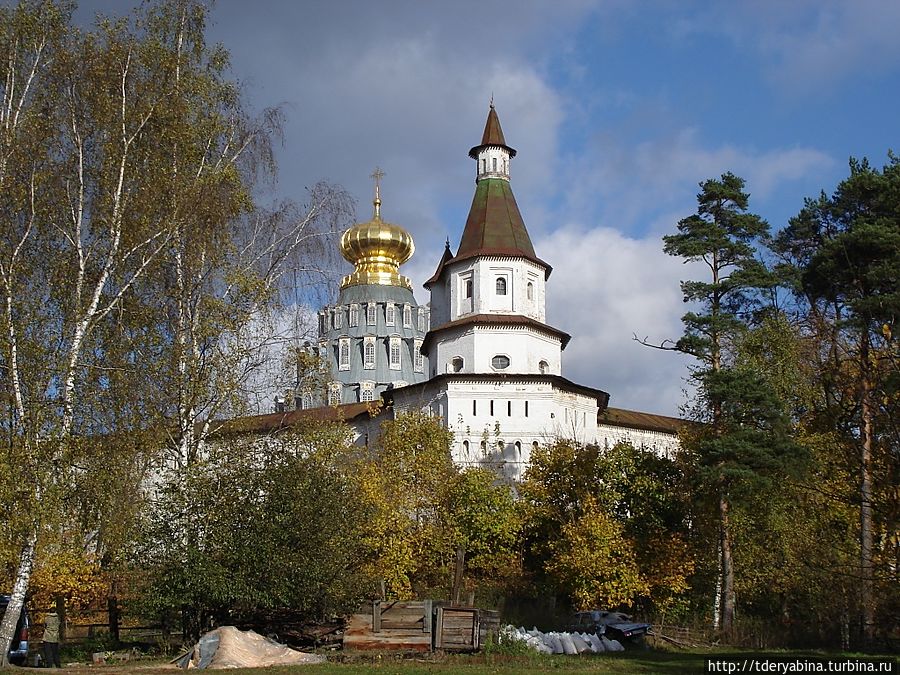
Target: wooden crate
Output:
{"points": [[399, 626], [463, 628]]}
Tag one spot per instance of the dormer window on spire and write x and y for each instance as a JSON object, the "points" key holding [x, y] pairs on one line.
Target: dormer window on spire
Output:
{"points": [[493, 162]]}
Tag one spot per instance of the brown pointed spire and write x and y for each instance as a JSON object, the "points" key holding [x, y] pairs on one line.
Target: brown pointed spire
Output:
{"points": [[494, 226], [493, 134], [447, 257]]}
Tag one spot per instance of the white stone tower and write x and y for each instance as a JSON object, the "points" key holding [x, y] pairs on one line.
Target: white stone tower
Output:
{"points": [[494, 362]]}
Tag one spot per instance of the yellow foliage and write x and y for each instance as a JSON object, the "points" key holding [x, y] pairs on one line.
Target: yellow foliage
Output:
{"points": [[69, 574], [595, 562]]}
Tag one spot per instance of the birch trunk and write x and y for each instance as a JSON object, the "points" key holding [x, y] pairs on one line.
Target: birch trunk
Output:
{"points": [[17, 597]]}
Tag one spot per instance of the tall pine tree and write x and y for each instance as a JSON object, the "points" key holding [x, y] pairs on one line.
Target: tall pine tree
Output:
{"points": [[843, 259], [745, 438]]}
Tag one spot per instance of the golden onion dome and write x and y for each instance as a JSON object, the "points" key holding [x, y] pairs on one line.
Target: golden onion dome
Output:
{"points": [[377, 249]]}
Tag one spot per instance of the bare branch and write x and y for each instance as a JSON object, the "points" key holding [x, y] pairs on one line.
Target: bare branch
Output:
{"points": [[665, 345]]}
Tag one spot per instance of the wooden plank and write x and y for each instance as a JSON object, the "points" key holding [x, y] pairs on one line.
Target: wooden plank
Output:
{"points": [[426, 626], [401, 625], [376, 616], [403, 615], [417, 641], [439, 629]]}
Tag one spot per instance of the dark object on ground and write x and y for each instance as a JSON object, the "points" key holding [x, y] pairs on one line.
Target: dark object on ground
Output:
{"points": [[615, 625], [18, 648]]}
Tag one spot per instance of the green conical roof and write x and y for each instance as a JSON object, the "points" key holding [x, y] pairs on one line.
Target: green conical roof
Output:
{"points": [[494, 224]]}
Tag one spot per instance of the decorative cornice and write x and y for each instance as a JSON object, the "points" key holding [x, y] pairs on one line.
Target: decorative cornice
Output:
{"points": [[495, 320]]}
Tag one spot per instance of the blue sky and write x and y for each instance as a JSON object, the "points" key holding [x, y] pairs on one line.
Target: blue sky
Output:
{"points": [[618, 109]]}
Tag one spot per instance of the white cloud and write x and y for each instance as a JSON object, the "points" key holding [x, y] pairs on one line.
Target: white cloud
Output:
{"points": [[606, 288], [629, 186]]}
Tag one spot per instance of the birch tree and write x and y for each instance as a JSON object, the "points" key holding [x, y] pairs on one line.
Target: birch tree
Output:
{"points": [[120, 149]]}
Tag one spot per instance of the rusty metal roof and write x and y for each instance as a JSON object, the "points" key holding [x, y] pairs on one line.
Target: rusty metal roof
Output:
{"points": [[634, 419], [495, 223], [281, 420]]}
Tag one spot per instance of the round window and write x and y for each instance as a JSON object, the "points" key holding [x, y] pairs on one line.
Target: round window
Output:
{"points": [[500, 362]]}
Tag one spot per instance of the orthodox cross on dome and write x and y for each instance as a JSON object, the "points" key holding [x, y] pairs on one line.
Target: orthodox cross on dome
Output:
{"points": [[377, 175]]}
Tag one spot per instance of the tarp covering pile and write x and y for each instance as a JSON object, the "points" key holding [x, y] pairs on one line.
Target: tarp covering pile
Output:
{"points": [[228, 647], [560, 643]]}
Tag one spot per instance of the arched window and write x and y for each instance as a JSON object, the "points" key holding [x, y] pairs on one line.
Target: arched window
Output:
{"points": [[519, 450], [529, 291], [369, 353], [366, 391], [456, 364], [344, 354], [334, 393], [466, 448], [394, 361], [418, 358], [501, 285], [543, 366], [535, 446]]}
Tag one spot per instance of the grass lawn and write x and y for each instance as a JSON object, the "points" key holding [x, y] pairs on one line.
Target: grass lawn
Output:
{"points": [[651, 661]]}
